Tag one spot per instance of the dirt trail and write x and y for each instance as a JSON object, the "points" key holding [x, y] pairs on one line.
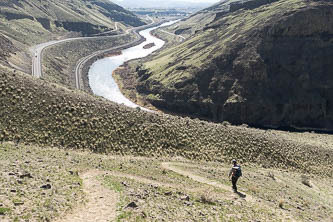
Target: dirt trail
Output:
{"points": [[173, 167], [101, 205], [153, 182]]}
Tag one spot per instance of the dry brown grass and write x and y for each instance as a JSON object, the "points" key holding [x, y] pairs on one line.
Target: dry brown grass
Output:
{"points": [[281, 204], [208, 198]]}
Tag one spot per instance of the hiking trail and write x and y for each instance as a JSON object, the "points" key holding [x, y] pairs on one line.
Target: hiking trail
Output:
{"points": [[101, 202], [172, 166]]}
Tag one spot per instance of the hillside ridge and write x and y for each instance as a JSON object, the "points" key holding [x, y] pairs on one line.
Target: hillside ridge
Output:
{"points": [[267, 67]]}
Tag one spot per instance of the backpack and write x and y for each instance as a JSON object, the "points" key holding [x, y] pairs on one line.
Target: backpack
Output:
{"points": [[238, 171]]}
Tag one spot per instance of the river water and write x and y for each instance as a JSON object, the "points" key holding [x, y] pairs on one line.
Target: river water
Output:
{"points": [[100, 74]]}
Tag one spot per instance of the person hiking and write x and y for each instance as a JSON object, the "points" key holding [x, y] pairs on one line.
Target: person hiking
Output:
{"points": [[235, 173]]}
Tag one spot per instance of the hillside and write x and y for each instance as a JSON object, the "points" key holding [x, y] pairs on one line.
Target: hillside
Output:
{"points": [[264, 63], [50, 184], [29, 22], [88, 17], [37, 112], [281, 170]]}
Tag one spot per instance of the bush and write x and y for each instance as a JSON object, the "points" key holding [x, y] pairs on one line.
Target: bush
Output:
{"points": [[306, 180], [207, 198], [3, 211], [271, 175]]}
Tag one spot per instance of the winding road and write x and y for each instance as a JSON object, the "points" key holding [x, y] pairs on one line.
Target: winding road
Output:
{"points": [[37, 51]]}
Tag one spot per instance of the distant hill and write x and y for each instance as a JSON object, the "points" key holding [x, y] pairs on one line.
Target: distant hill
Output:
{"points": [[261, 62], [162, 4]]}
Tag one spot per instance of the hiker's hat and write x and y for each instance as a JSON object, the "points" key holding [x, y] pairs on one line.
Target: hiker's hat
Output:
{"points": [[234, 161]]}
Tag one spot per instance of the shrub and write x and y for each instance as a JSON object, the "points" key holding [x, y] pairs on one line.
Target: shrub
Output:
{"points": [[281, 204], [306, 180], [207, 198], [271, 175], [3, 211]]}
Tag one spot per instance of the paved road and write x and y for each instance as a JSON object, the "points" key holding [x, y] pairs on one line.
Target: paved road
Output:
{"points": [[37, 50]]}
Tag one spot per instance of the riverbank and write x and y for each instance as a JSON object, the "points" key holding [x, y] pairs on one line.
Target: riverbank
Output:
{"points": [[126, 79], [86, 66], [126, 76], [101, 80]]}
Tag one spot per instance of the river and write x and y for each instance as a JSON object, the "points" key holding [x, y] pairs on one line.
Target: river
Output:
{"points": [[100, 74]]}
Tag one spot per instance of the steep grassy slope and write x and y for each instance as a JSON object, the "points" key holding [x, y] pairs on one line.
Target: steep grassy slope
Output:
{"points": [[88, 17], [264, 63], [33, 111], [31, 22], [7, 47]]}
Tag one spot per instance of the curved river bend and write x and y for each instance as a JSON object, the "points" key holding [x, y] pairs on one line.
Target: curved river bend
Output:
{"points": [[100, 74]]}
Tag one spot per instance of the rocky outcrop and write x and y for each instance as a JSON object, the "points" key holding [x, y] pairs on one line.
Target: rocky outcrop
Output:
{"points": [[277, 73]]}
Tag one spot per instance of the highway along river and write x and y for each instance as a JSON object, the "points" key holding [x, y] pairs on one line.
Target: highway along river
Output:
{"points": [[100, 74]]}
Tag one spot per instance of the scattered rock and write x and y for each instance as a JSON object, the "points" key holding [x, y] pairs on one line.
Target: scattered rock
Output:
{"points": [[124, 184], [46, 186], [168, 193], [188, 203], [153, 186], [143, 214], [75, 173], [18, 203], [186, 197], [26, 175], [132, 205], [300, 208]]}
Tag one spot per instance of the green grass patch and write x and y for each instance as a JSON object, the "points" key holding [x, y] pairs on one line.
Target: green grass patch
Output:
{"points": [[113, 184], [3, 211]]}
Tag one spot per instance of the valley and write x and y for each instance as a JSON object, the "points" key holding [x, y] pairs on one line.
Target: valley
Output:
{"points": [[250, 63], [68, 153]]}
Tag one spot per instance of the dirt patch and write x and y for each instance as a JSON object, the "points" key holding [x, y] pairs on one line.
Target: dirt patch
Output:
{"points": [[101, 205]]}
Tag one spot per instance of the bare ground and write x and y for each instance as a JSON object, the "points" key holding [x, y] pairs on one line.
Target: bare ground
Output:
{"points": [[101, 205]]}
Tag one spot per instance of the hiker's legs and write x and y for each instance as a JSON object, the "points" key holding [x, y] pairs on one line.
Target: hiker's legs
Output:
{"points": [[234, 183]]}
